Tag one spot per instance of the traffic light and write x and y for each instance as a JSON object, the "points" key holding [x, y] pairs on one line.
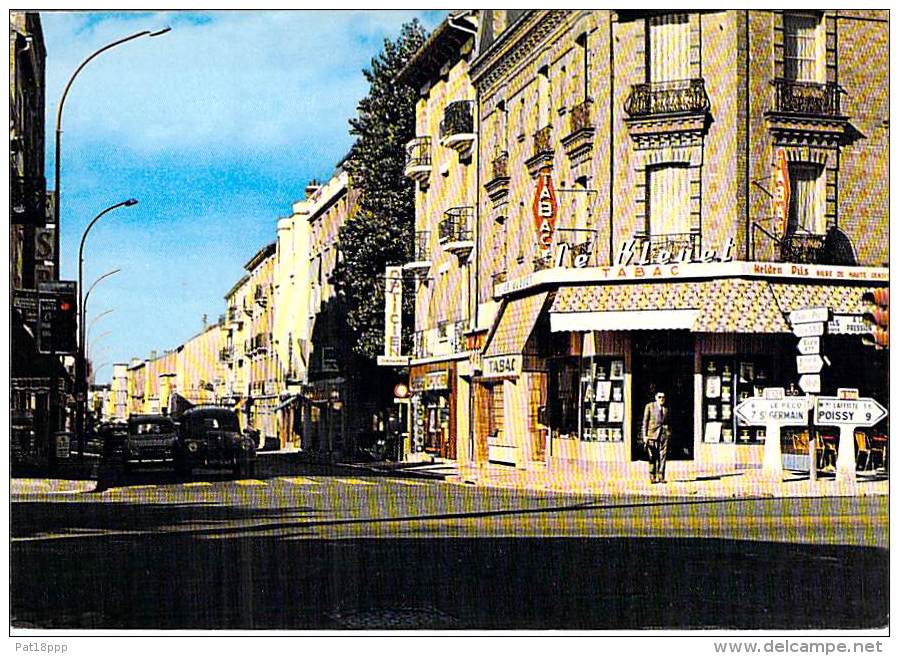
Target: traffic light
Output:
{"points": [[877, 318], [58, 322]]}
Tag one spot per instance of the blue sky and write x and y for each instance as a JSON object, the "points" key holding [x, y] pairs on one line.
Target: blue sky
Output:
{"points": [[215, 128]]}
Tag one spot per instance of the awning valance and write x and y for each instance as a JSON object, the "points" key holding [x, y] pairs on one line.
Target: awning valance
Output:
{"points": [[515, 325], [623, 320]]}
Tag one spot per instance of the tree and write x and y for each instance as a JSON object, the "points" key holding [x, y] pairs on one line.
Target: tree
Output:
{"points": [[380, 231]]}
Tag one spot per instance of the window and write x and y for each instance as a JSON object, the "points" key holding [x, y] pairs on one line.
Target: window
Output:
{"points": [[803, 48], [668, 48], [807, 199], [544, 97], [668, 191], [582, 71]]}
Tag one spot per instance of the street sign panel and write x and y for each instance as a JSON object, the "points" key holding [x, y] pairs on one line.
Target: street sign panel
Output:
{"points": [[809, 345], [809, 315], [808, 329], [810, 383], [757, 411], [833, 411], [847, 324], [809, 364]]}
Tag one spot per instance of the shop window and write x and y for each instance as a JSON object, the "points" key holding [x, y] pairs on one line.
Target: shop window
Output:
{"points": [[496, 417], [727, 382], [807, 199], [668, 48], [602, 400], [668, 191], [803, 48]]}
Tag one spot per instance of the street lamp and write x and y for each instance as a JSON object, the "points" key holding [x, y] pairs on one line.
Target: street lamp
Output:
{"points": [[59, 108], [96, 319], [80, 369]]}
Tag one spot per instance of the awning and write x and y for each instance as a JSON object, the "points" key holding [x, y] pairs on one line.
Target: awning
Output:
{"points": [[842, 299], [718, 306], [504, 354], [623, 320], [515, 326]]}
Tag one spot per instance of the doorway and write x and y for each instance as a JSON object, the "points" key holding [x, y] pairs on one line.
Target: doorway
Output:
{"points": [[663, 361]]}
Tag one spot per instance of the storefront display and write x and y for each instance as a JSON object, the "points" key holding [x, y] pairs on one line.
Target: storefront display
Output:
{"points": [[602, 400], [727, 382]]}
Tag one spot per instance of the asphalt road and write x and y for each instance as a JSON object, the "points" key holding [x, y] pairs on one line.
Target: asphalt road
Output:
{"points": [[301, 547]]}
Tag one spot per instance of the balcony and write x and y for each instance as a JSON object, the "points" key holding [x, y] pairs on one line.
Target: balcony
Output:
{"points": [[226, 355], [28, 200], [418, 159], [457, 127], [809, 99], [660, 99], [803, 249], [579, 142], [497, 185], [543, 150], [680, 246], [421, 254], [455, 231]]}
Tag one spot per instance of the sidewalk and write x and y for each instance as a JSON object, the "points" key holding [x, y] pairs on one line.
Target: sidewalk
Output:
{"points": [[738, 484]]}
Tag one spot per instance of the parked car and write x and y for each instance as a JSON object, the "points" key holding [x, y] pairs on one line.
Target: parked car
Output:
{"points": [[150, 441], [209, 436]]}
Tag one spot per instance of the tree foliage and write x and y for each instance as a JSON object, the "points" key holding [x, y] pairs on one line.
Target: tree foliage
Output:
{"points": [[380, 232]]}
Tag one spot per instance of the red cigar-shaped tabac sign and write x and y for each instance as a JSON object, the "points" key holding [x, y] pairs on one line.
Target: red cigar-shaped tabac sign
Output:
{"points": [[545, 210]]}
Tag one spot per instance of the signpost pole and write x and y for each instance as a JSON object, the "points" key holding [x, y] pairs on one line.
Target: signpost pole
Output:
{"points": [[772, 464], [846, 456], [812, 441]]}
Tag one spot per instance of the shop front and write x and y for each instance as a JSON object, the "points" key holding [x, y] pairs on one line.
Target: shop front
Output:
{"points": [[433, 407]]}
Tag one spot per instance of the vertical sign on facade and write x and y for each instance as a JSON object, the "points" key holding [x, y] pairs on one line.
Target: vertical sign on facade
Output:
{"points": [[781, 197], [393, 315], [545, 210]]}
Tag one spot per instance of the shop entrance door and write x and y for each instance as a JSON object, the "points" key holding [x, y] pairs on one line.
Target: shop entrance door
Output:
{"points": [[663, 360]]}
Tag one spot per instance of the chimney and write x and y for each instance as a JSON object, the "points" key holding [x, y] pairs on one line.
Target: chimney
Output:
{"points": [[313, 186]]}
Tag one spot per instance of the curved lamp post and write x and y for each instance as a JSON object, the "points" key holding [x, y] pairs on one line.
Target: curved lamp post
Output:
{"points": [[59, 109], [96, 319]]}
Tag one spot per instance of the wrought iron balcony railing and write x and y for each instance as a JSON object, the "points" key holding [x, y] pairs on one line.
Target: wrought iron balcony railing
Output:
{"points": [[543, 140], [667, 98], [418, 152], [674, 243], [803, 249], [421, 251], [456, 225], [806, 98], [458, 118]]}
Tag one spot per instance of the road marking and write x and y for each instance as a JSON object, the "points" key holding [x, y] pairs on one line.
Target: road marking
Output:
{"points": [[408, 481], [198, 484], [298, 480], [250, 482], [353, 481], [139, 487]]}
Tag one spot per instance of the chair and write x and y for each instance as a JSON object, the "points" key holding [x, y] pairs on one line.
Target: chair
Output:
{"points": [[863, 448]]}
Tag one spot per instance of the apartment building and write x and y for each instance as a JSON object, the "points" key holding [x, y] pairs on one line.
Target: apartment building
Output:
{"points": [[656, 193], [442, 159]]}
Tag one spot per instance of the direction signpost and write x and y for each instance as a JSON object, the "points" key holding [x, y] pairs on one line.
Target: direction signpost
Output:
{"points": [[848, 414], [773, 411], [808, 325]]}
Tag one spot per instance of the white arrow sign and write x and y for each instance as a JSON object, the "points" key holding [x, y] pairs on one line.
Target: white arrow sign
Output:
{"points": [[782, 412], [809, 345], [832, 411], [809, 315], [808, 329], [809, 364], [810, 383]]}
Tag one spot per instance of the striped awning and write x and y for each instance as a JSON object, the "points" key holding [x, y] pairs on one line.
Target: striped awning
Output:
{"points": [[721, 306], [515, 325]]}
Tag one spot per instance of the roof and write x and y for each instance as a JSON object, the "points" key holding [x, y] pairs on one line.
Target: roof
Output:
{"points": [[237, 286], [266, 251], [442, 46]]}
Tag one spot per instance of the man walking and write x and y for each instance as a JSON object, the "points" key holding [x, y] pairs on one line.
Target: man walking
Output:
{"points": [[656, 432]]}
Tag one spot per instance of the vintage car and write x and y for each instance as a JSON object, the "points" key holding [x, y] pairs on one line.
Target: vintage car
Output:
{"points": [[150, 441], [210, 436]]}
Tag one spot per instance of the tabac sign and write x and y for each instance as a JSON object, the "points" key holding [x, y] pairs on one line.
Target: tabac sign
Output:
{"points": [[781, 197], [545, 210]]}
